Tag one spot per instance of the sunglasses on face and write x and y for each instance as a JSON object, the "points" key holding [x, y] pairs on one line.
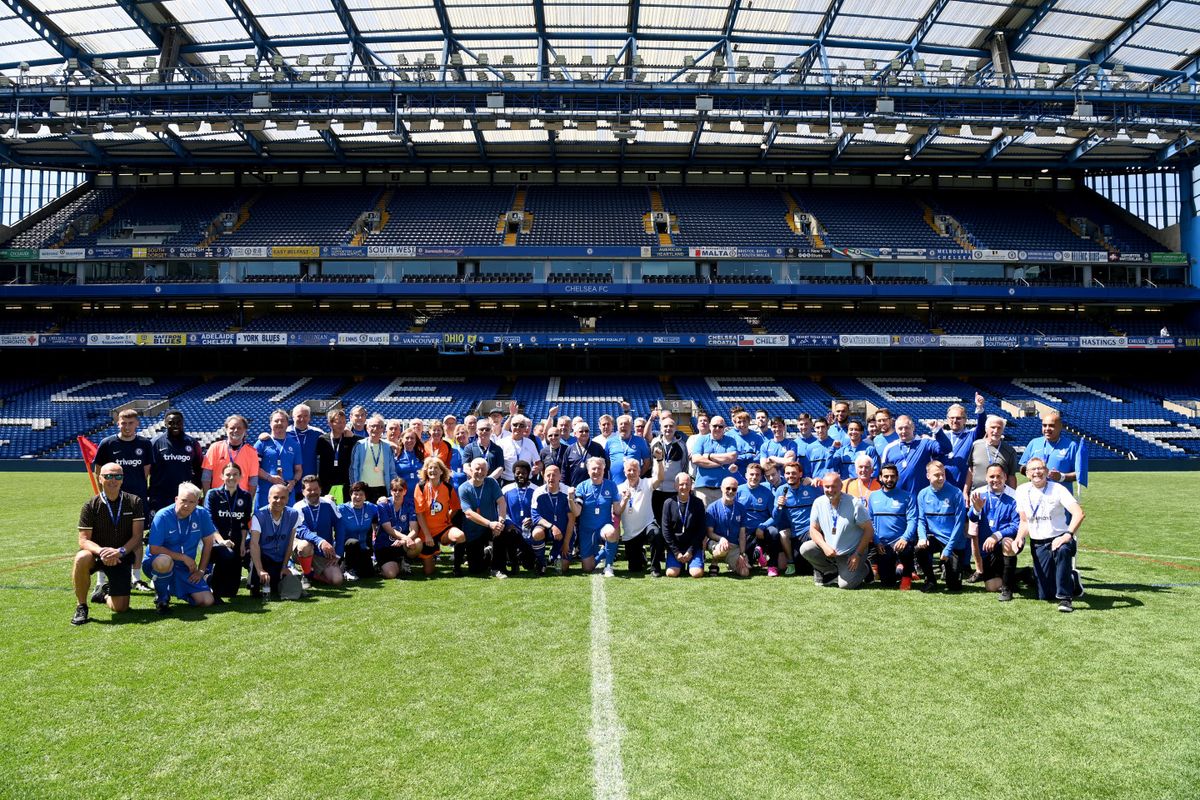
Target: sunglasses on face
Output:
{"points": [[117, 477]]}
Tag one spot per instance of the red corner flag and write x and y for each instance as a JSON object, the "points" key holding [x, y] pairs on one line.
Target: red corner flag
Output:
{"points": [[88, 451]]}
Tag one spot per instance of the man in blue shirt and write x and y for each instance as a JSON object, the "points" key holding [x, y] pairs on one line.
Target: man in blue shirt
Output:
{"points": [[962, 437], [553, 516], [750, 443], [715, 458], [306, 440], [518, 502], [893, 515], [272, 539], [821, 451], [278, 459], [598, 511], [847, 455], [726, 520], [779, 450], [626, 444], [793, 518], [315, 550], [175, 459], [175, 534], [483, 511], [941, 526], [759, 501], [993, 521], [1066, 459], [885, 433], [839, 429], [912, 454]]}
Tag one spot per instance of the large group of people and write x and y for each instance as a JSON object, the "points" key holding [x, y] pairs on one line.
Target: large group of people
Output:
{"points": [[850, 500]]}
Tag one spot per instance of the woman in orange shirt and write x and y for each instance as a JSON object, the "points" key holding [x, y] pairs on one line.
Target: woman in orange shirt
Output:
{"points": [[439, 514], [437, 444]]}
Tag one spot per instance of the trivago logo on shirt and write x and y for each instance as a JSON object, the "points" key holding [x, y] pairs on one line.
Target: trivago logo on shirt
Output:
{"points": [[130, 462], [182, 458]]}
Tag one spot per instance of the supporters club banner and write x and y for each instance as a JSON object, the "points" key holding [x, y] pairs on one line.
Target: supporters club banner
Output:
{"points": [[745, 340], [261, 339], [365, 339], [18, 340]]}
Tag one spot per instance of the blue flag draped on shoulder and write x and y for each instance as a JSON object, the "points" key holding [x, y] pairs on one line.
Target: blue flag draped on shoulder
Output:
{"points": [[1081, 463]]}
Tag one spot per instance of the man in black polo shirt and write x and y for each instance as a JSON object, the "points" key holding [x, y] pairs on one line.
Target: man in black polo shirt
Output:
{"points": [[110, 533], [133, 454]]}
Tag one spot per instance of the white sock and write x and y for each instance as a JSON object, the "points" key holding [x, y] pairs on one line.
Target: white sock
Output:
{"points": [[101, 578]]}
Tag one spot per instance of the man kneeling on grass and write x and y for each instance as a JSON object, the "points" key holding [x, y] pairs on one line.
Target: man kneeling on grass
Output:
{"points": [[110, 531], [175, 534], [272, 537], [838, 538]]}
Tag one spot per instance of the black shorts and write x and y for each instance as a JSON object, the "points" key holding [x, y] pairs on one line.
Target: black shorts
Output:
{"points": [[993, 562], [120, 579], [385, 554]]}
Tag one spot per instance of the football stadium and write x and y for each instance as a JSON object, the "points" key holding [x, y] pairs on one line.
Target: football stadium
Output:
{"points": [[610, 399]]}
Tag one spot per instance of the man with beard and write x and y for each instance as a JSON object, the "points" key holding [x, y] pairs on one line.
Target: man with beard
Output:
{"points": [[894, 518], [175, 459], [839, 537]]}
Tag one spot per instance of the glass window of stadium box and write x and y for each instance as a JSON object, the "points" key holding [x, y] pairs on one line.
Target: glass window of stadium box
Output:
{"points": [[447, 270], [118, 272], [681, 269], [922, 272], [804, 269], [750, 269]]}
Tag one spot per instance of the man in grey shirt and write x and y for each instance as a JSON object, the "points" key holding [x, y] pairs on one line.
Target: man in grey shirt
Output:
{"points": [[991, 449], [839, 537]]}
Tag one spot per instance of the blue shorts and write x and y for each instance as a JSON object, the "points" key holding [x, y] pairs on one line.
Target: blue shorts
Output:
{"points": [[697, 561], [590, 542], [181, 586]]}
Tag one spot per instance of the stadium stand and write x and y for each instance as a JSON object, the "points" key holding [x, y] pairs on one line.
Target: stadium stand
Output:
{"points": [[857, 218], [52, 231], [181, 321], [360, 321], [750, 217], [425, 397], [830, 323], [593, 215], [586, 397], [444, 215]]}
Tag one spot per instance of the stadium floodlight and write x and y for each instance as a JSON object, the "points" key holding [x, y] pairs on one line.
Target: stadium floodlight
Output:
{"points": [[150, 63], [704, 102], [331, 75], [919, 65], [223, 60], [495, 100], [254, 76], [302, 61], [278, 75], [98, 64], [122, 63], [5, 81], [327, 61], [250, 61], [260, 100], [276, 60]]}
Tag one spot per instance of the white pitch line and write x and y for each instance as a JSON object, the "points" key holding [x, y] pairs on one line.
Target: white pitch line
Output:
{"points": [[1139, 555], [608, 773]]}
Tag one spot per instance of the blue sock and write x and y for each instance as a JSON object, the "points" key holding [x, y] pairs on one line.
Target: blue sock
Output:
{"points": [[162, 588], [610, 553], [539, 552]]}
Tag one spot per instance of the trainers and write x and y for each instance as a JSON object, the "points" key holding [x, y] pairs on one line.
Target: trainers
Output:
{"points": [[976, 577], [929, 586], [762, 557], [829, 580], [713, 569], [608, 572], [350, 575], [1005, 594], [1065, 605], [305, 585], [163, 608], [655, 572], [405, 568], [141, 586], [905, 583], [498, 575], [790, 570], [81, 614], [457, 571], [539, 570], [818, 577], [100, 594], [772, 572]]}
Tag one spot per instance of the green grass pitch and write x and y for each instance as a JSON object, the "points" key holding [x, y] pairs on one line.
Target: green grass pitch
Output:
{"points": [[470, 688]]}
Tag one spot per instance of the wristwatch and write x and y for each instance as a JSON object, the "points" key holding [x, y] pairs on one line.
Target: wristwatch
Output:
{"points": [[121, 552]]}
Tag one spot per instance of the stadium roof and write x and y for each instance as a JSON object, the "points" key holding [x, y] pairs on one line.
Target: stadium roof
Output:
{"points": [[404, 80]]}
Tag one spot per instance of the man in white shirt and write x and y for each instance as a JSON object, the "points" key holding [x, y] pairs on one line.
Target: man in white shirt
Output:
{"points": [[1044, 506], [517, 446], [638, 524]]}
